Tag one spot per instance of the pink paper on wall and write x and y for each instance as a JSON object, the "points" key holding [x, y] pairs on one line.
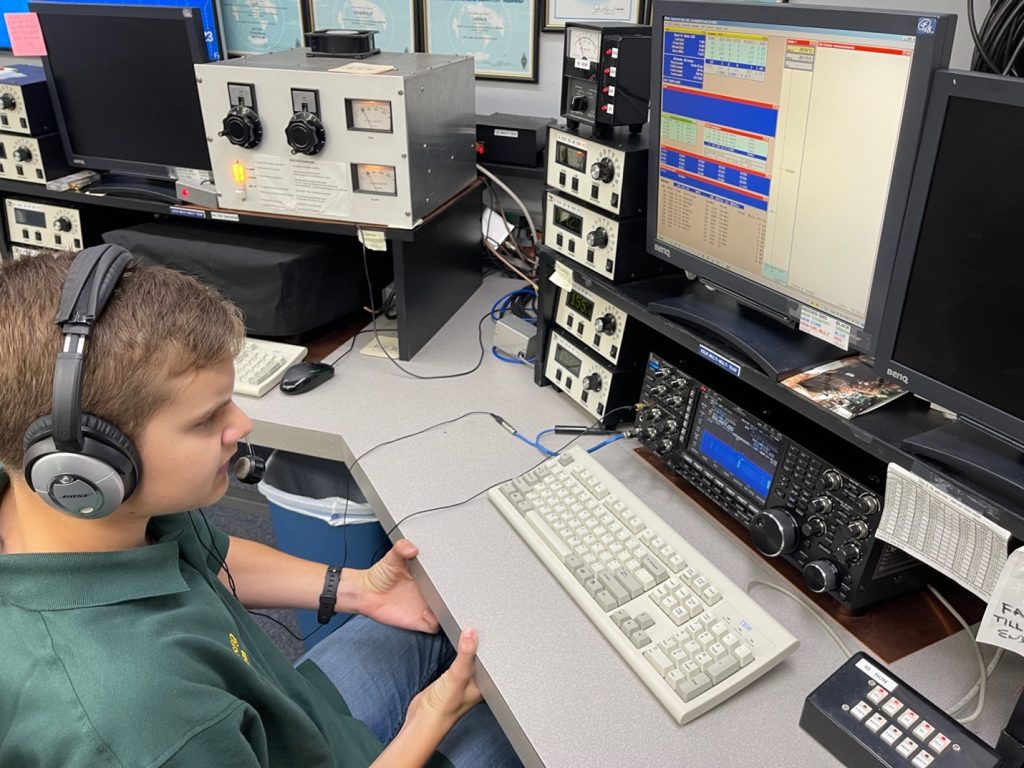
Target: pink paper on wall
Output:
{"points": [[26, 36]]}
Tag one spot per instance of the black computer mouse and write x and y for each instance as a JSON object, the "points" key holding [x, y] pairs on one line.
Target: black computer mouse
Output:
{"points": [[303, 377]]}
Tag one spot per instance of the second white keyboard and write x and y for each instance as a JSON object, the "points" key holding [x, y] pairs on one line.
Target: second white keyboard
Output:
{"points": [[261, 365], [691, 634]]}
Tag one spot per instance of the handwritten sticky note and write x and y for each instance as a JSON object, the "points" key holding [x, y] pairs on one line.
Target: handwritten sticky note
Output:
{"points": [[1003, 622], [26, 36], [386, 347], [373, 239], [562, 276]]}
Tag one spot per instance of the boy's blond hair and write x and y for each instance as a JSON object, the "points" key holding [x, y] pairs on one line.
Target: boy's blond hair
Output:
{"points": [[158, 325]]}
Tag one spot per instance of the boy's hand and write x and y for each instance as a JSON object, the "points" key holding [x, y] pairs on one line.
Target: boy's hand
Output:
{"points": [[390, 596], [455, 692]]}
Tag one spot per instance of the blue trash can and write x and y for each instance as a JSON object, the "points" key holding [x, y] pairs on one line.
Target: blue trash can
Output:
{"points": [[308, 510]]}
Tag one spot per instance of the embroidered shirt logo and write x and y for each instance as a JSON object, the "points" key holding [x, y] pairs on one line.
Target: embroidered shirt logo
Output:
{"points": [[237, 648]]}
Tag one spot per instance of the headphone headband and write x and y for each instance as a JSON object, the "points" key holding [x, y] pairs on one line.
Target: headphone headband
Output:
{"points": [[87, 289]]}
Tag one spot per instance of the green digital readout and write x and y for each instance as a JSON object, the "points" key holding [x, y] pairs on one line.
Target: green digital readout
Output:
{"points": [[581, 304]]}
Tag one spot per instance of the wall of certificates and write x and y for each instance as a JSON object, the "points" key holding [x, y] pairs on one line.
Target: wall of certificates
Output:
{"points": [[501, 35]]}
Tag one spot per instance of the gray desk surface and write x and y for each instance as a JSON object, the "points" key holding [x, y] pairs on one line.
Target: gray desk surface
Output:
{"points": [[559, 690]]}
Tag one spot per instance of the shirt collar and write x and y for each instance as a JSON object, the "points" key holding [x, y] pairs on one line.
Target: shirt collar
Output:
{"points": [[60, 581]]}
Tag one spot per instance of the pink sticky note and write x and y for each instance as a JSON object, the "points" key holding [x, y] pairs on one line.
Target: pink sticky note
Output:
{"points": [[26, 36]]}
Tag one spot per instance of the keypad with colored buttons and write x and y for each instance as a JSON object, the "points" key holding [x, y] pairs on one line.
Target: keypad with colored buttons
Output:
{"points": [[864, 715]]}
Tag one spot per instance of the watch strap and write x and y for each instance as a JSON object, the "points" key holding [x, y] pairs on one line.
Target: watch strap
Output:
{"points": [[329, 596]]}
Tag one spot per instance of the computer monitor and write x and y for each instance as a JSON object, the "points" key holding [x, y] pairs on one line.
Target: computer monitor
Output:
{"points": [[207, 10], [123, 86], [782, 143], [956, 304]]}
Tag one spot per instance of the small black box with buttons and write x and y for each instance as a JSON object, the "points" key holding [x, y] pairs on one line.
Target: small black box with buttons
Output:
{"points": [[869, 718]]}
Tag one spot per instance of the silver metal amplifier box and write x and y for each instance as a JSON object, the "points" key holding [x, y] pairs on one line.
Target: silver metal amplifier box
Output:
{"points": [[382, 141]]}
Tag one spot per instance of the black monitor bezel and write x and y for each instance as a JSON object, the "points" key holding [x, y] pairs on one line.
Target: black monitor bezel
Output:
{"points": [[931, 52], [200, 55], [946, 84]]}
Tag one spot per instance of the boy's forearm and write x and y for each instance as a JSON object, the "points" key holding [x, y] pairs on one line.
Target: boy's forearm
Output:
{"points": [[268, 578]]}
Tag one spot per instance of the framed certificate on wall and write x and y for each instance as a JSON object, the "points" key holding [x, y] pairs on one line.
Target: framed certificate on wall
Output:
{"points": [[500, 35], [394, 21], [262, 26], [558, 12]]}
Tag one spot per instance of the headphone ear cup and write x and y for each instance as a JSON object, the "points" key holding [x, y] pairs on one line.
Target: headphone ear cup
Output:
{"points": [[91, 483]]}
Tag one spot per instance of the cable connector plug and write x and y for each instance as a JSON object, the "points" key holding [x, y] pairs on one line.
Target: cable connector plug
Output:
{"points": [[504, 424]]}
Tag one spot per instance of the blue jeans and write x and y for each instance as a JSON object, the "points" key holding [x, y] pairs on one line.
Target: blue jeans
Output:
{"points": [[378, 669]]}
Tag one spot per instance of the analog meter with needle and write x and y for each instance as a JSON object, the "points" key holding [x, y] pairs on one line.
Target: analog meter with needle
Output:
{"points": [[369, 115], [375, 179], [606, 78]]}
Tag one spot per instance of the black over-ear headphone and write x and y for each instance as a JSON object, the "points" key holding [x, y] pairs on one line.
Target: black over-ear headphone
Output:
{"points": [[78, 463]]}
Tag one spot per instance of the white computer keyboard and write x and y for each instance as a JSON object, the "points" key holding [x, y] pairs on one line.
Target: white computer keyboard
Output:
{"points": [[261, 365], [691, 634]]}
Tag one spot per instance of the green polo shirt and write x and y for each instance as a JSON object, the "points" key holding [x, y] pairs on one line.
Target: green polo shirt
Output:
{"points": [[143, 658]]}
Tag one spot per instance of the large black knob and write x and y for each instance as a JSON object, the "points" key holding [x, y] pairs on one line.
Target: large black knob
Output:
{"points": [[62, 224], [774, 532], [868, 503], [7, 102], [849, 551], [831, 480], [242, 127], [22, 154], [606, 324], [821, 575], [592, 382], [813, 526], [598, 238], [305, 133], [821, 505], [603, 170]]}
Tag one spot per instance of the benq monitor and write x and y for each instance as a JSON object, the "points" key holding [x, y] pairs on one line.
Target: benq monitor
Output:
{"points": [[782, 144], [956, 305], [122, 81]]}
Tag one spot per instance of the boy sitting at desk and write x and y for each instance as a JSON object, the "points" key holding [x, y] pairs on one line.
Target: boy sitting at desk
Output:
{"points": [[123, 636]]}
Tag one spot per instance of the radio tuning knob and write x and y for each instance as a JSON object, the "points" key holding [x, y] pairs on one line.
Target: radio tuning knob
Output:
{"points": [[849, 551], [774, 532], [305, 133], [821, 505], [241, 126], [821, 576], [597, 238], [603, 170], [62, 224], [868, 503], [22, 154], [813, 526], [7, 102], [605, 324], [858, 529], [592, 382], [831, 480]]}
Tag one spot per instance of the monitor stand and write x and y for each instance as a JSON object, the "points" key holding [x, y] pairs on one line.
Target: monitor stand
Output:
{"points": [[775, 348], [984, 460], [159, 190]]}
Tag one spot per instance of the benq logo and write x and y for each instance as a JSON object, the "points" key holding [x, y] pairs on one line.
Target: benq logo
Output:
{"points": [[897, 375], [662, 250]]}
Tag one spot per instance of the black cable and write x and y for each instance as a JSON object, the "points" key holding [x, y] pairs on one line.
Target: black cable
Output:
{"points": [[373, 313], [336, 360], [222, 559], [468, 499], [999, 41]]}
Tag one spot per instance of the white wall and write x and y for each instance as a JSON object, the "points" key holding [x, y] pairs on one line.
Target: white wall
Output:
{"points": [[542, 98]]}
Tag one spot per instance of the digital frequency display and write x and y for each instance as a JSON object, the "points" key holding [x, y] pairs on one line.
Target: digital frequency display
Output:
{"points": [[569, 221], [31, 218], [581, 304], [740, 447]]}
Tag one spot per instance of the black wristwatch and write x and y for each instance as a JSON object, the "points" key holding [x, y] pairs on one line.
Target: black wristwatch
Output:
{"points": [[329, 597]]}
